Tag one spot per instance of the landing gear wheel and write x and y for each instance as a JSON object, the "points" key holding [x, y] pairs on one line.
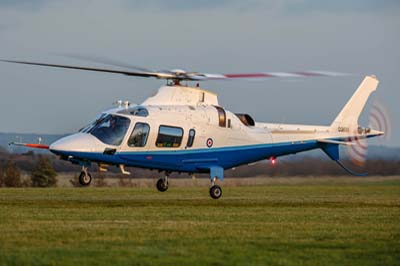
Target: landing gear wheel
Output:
{"points": [[162, 185], [215, 192], [85, 179]]}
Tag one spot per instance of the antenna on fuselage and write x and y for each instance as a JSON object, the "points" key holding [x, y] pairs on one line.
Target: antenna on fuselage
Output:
{"points": [[121, 104], [118, 103]]}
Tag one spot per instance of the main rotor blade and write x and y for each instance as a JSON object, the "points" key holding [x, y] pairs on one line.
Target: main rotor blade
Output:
{"points": [[128, 73], [107, 61], [265, 75], [182, 75]]}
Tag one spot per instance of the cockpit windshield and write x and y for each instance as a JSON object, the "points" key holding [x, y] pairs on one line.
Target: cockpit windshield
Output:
{"points": [[111, 129], [86, 129]]}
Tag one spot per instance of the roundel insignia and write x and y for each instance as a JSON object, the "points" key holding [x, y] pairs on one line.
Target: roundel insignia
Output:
{"points": [[209, 142]]}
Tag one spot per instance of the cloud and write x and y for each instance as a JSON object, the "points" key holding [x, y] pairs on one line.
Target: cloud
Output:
{"points": [[30, 5], [179, 4], [299, 7], [340, 6], [281, 6]]}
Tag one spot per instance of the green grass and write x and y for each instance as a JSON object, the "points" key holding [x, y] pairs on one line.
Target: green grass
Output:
{"points": [[345, 223]]}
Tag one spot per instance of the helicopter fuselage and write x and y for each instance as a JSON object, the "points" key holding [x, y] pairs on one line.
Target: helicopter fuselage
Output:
{"points": [[189, 132]]}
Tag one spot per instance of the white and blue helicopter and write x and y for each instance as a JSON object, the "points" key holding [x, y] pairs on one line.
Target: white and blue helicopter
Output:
{"points": [[185, 129]]}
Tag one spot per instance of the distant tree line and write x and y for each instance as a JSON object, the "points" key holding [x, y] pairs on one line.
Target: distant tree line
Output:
{"points": [[42, 169], [311, 166], [41, 175]]}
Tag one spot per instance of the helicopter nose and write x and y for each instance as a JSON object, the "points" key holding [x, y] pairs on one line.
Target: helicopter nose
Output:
{"points": [[79, 142]]}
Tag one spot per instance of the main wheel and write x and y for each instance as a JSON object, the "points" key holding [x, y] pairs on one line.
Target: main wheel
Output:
{"points": [[85, 179], [215, 192], [162, 185]]}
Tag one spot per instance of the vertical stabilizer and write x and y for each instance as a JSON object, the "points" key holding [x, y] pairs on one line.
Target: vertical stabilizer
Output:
{"points": [[348, 117]]}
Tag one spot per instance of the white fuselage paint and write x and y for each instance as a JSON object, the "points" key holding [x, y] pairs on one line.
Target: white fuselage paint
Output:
{"points": [[194, 108]]}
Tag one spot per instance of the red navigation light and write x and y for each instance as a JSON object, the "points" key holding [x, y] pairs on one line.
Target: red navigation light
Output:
{"points": [[273, 160]]}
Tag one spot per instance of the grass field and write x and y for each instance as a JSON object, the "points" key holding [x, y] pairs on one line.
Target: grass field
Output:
{"points": [[301, 221]]}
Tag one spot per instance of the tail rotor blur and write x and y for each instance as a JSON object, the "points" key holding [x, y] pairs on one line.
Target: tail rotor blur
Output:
{"points": [[358, 151], [379, 119]]}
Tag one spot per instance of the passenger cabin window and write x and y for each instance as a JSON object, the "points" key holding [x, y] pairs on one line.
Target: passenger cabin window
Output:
{"points": [[139, 135], [169, 137], [192, 134], [221, 116]]}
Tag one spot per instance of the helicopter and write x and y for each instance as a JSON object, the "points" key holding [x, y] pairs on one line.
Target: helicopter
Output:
{"points": [[184, 129]]}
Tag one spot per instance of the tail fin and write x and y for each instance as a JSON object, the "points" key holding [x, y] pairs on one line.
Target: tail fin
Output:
{"points": [[348, 117]]}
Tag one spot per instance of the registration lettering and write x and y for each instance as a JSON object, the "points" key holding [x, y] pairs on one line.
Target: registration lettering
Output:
{"points": [[343, 129]]}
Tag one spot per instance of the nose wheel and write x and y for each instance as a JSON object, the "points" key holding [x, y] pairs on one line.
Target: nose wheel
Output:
{"points": [[85, 178], [162, 184]]}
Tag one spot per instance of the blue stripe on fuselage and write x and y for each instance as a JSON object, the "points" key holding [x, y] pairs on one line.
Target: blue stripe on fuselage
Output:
{"points": [[196, 160]]}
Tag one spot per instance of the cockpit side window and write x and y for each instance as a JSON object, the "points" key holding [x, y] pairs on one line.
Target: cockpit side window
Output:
{"points": [[139, 135], [111, 129]]}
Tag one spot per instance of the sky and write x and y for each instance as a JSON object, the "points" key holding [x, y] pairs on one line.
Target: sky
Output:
{"points": [[361, 37]]}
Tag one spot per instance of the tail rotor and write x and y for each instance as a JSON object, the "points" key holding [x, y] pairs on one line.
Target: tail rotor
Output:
{"points": [[379, 119]]}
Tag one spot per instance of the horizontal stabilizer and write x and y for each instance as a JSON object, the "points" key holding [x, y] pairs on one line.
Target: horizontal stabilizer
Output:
{"points": [[346, 143]]}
